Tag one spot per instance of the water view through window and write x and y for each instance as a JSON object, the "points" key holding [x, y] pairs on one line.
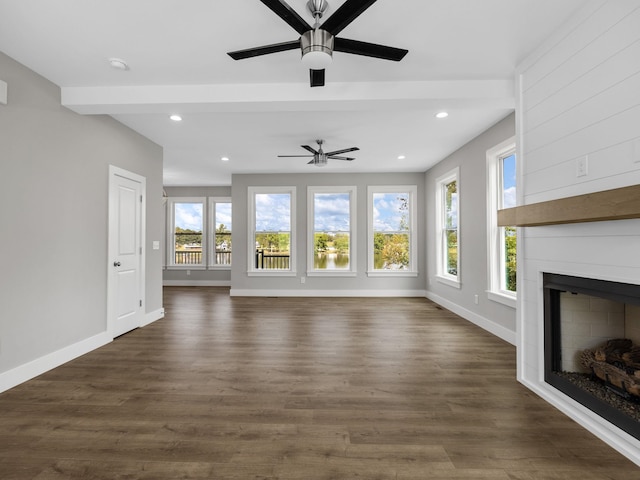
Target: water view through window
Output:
{"points": [[331, 231]]}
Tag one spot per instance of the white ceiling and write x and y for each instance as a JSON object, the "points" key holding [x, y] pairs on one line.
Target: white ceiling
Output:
{"points": [[462, 57]]}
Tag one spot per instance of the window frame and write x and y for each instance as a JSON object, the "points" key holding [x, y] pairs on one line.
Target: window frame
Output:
{"points": [[311, 191], [211, 234], [496, 290], [442, 274], [412, 190], [171, 245], [251, 247]]}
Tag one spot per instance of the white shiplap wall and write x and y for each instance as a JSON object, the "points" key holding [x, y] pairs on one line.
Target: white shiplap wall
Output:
{"points": [[579, 98]]}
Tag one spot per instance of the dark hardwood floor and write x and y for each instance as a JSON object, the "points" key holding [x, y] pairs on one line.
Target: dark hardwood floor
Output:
{"points": [[295, 388]]}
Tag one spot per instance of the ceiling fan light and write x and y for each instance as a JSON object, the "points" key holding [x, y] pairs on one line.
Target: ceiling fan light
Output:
{"points": [[317, 60], [317, 49]]}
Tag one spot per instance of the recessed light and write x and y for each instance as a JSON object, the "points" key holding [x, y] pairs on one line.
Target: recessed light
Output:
{"points": [[118, 63], [401, 157], [176, 118], [442, 115], [224, 159]]}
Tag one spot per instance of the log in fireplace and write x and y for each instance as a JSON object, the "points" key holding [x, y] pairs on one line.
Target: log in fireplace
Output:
{"points": [[582, 316]]}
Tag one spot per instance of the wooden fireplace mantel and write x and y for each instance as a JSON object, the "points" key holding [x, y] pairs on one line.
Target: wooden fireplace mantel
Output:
{"points": [[617, 204]]}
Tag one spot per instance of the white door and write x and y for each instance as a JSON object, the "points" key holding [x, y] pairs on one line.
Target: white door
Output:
{"points": [[125, 309]]}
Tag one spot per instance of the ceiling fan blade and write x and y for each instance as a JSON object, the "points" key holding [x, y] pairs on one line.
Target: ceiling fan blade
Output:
{"points": [[311, 162], [316, 78], [345, 150], [295, 156], [288, 14], [309, 149], [264, 50], [368, 49], [347, 13], [333, 157]]}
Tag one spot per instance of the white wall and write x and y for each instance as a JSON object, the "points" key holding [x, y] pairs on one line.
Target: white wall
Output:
{"points": [[361, 285], [580, 97], [54, 167], [471, 159]]}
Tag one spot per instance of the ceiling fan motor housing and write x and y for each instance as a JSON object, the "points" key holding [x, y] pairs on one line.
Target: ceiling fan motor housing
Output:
{"points": [[317, 40]]}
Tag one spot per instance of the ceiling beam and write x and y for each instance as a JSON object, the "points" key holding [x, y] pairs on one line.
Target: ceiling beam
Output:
{"points": [[291, 97]]}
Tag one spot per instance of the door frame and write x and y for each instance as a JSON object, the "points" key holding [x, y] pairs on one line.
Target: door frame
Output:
{"points": [[114, 173]]}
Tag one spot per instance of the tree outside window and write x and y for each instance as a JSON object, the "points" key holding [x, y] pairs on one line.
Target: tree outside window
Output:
{"points": [[447, 218], [188, 222], [331, 225], [393, 219], [272, 213], [221, 212]]}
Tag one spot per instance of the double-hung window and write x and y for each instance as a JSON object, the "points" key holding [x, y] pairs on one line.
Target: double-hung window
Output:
{"points": [[185, 235], [502, 241], [220, 233], [331, 217], [272, 231], [392, 230], [448, 228]]}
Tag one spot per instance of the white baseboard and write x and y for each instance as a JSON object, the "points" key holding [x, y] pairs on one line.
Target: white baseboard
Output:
{"points": [[488, 325], [238, 292], [196, 283], [151, 317], [616, 438], [21, 374]]}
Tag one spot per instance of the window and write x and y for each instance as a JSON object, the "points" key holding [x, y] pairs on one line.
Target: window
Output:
{"points": [[331, 240], [502, 241], [448, 228], [185, 234], [392, 230], [272, 230], [220, 246]]}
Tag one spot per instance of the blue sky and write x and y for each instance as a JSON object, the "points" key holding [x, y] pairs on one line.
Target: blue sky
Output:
{"points": [[273, 212], [386, 211], [331, 212], [189, 216], [223, 215], [509, 181]]}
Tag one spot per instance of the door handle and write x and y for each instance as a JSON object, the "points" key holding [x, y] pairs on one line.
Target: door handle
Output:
{"points": [[116, 264]]}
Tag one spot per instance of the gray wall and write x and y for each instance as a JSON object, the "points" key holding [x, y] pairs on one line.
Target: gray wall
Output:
{"points": [[471, 159], [361, 284], [53, 212], [195, 277]]}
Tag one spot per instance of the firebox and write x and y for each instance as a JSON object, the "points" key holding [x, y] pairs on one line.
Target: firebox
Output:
{"points": [[592, 345]]}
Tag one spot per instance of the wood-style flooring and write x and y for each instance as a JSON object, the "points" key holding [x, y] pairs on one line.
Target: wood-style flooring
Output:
{"points": [[295, 388]]}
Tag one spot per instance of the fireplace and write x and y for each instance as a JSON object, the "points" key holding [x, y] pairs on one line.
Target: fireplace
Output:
{"points": [[583, 316]]}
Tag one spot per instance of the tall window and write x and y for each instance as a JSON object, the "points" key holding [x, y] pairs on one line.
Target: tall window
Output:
{"points": [[448, 227], [220, 211], [272, 232], [331, 239], [502, 241], [392, 230], [186, 247]]}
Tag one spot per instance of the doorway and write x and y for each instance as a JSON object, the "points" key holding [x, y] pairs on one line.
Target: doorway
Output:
{"points": [[126, 282]]}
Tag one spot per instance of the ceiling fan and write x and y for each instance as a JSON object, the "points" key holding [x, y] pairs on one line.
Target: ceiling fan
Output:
{"points": [[319, 42], [320, 157]]}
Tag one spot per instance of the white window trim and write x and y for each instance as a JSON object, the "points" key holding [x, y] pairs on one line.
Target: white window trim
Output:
{"points": [[495, 291], [412, 190], [212, 233], [251, 270], [311, 191], [442, 275], [171, 256]]}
